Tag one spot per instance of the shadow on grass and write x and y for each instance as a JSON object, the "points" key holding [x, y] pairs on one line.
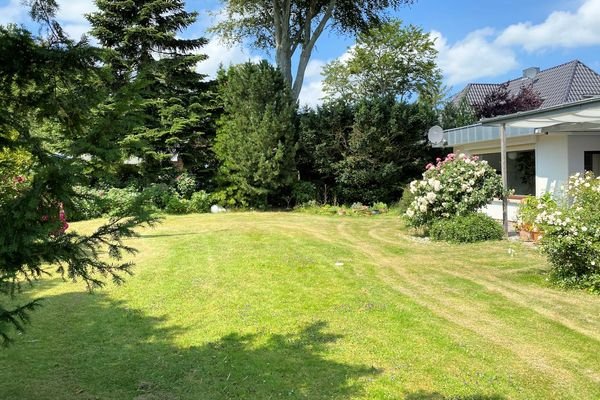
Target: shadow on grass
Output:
{"points": [[422, 395], [89, 346]]}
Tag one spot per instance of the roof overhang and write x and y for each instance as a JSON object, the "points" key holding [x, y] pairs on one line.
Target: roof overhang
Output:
{"points": [[581, 116]]}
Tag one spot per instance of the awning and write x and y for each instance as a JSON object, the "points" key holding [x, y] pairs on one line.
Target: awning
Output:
{"points": [[581, 116]]}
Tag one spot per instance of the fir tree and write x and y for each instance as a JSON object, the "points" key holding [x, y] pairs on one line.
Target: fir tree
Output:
{"points": [[47, 92], [256, 134], [143, 52]]}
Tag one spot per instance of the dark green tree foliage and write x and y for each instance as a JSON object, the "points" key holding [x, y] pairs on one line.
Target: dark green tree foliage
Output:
{"points": [[455, 115], [146, 58], [386, 150], [366, 152], [323, 144], [49, 85], [256, 134]]}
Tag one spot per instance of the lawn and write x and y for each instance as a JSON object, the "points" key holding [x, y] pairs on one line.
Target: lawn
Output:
{"points": [[280, 305]]}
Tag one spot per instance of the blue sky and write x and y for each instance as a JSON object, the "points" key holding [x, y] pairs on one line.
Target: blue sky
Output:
{"points": [[478, 41]]}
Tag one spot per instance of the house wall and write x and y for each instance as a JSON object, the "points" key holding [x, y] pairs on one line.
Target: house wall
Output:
{"points": [[551, 163], [557, 156], [578, 145], [494, 209]]}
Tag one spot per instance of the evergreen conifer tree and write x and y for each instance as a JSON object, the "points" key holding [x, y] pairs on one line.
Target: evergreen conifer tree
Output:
{"points": [[146, 57], [256, 136]]}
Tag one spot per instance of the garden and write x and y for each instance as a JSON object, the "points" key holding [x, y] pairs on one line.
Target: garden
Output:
{"points": [[171, 235]]}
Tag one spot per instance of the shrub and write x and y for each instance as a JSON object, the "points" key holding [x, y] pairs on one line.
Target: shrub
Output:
{"points": [[177, 205], [224, 198], [185, 185], [303, 192], [158, 195], [571, 234], [88, 204], [312, 207], [407, 198], [455, 186], [118, 201], [469, 228], [200, 202], [380, 208]]}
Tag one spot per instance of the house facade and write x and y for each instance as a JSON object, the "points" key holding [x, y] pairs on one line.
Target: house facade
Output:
{"points": [[544, 146]]}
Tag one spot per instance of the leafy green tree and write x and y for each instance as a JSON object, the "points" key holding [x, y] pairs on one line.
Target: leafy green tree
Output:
{"points": [[146, 58], [292, 28], [46, 86], [256, 136], [457, 114], [388, 60]]}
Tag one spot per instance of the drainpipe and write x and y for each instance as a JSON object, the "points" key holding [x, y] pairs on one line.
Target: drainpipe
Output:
{"points": [[504, 177]]}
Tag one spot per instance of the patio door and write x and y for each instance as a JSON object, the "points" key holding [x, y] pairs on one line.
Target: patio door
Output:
{"points": [[592, 162]]}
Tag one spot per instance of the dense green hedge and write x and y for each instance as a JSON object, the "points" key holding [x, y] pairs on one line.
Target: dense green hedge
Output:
{"points": [[475, 227]]}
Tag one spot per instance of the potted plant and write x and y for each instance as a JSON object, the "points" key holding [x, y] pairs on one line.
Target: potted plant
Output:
{"points": [[528, 211]]}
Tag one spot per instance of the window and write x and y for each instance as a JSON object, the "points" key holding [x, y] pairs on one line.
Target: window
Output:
{"points": [[521, 170], [592, 162]]}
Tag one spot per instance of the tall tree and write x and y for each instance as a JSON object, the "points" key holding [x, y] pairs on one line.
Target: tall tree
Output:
{"points": [[388, 60], [51, 85], [256, 134], [146, 55], [291, 28]]}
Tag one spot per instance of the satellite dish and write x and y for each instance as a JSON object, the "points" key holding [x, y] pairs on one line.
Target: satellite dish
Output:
{"points": [[436, 134]]}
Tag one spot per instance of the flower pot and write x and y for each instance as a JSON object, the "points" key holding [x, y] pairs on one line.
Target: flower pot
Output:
{"points": [[525, 235]]}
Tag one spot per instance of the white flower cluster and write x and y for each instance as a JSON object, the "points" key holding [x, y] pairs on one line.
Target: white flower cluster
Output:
{"points": [[453, 186], [572, 231]]}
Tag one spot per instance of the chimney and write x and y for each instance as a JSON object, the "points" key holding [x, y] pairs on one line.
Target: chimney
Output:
{"points": [[531, 72]]}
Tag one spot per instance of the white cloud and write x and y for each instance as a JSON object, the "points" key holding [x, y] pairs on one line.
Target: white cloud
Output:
{"points": [[222, 54], [560, 29], [13, 12], [74, 11], [312, 88], [75, 31], [474, 57], [71, 15]]}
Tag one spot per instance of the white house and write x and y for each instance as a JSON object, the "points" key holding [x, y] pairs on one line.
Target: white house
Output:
{"points": [[544, 146]]}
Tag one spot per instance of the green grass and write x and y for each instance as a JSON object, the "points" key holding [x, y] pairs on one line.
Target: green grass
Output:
{"points": [[259, 306]]}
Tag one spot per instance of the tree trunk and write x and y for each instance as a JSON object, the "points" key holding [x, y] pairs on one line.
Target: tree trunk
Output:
{"points": [[284, 49]]}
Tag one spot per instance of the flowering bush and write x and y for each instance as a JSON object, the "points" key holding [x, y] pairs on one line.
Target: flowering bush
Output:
{"points": [[530, 208], [456, 185], [571, 233], [185, 184]]}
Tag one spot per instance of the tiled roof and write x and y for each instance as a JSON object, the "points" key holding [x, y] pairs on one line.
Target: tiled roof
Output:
{"points": [[562, 84]]}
